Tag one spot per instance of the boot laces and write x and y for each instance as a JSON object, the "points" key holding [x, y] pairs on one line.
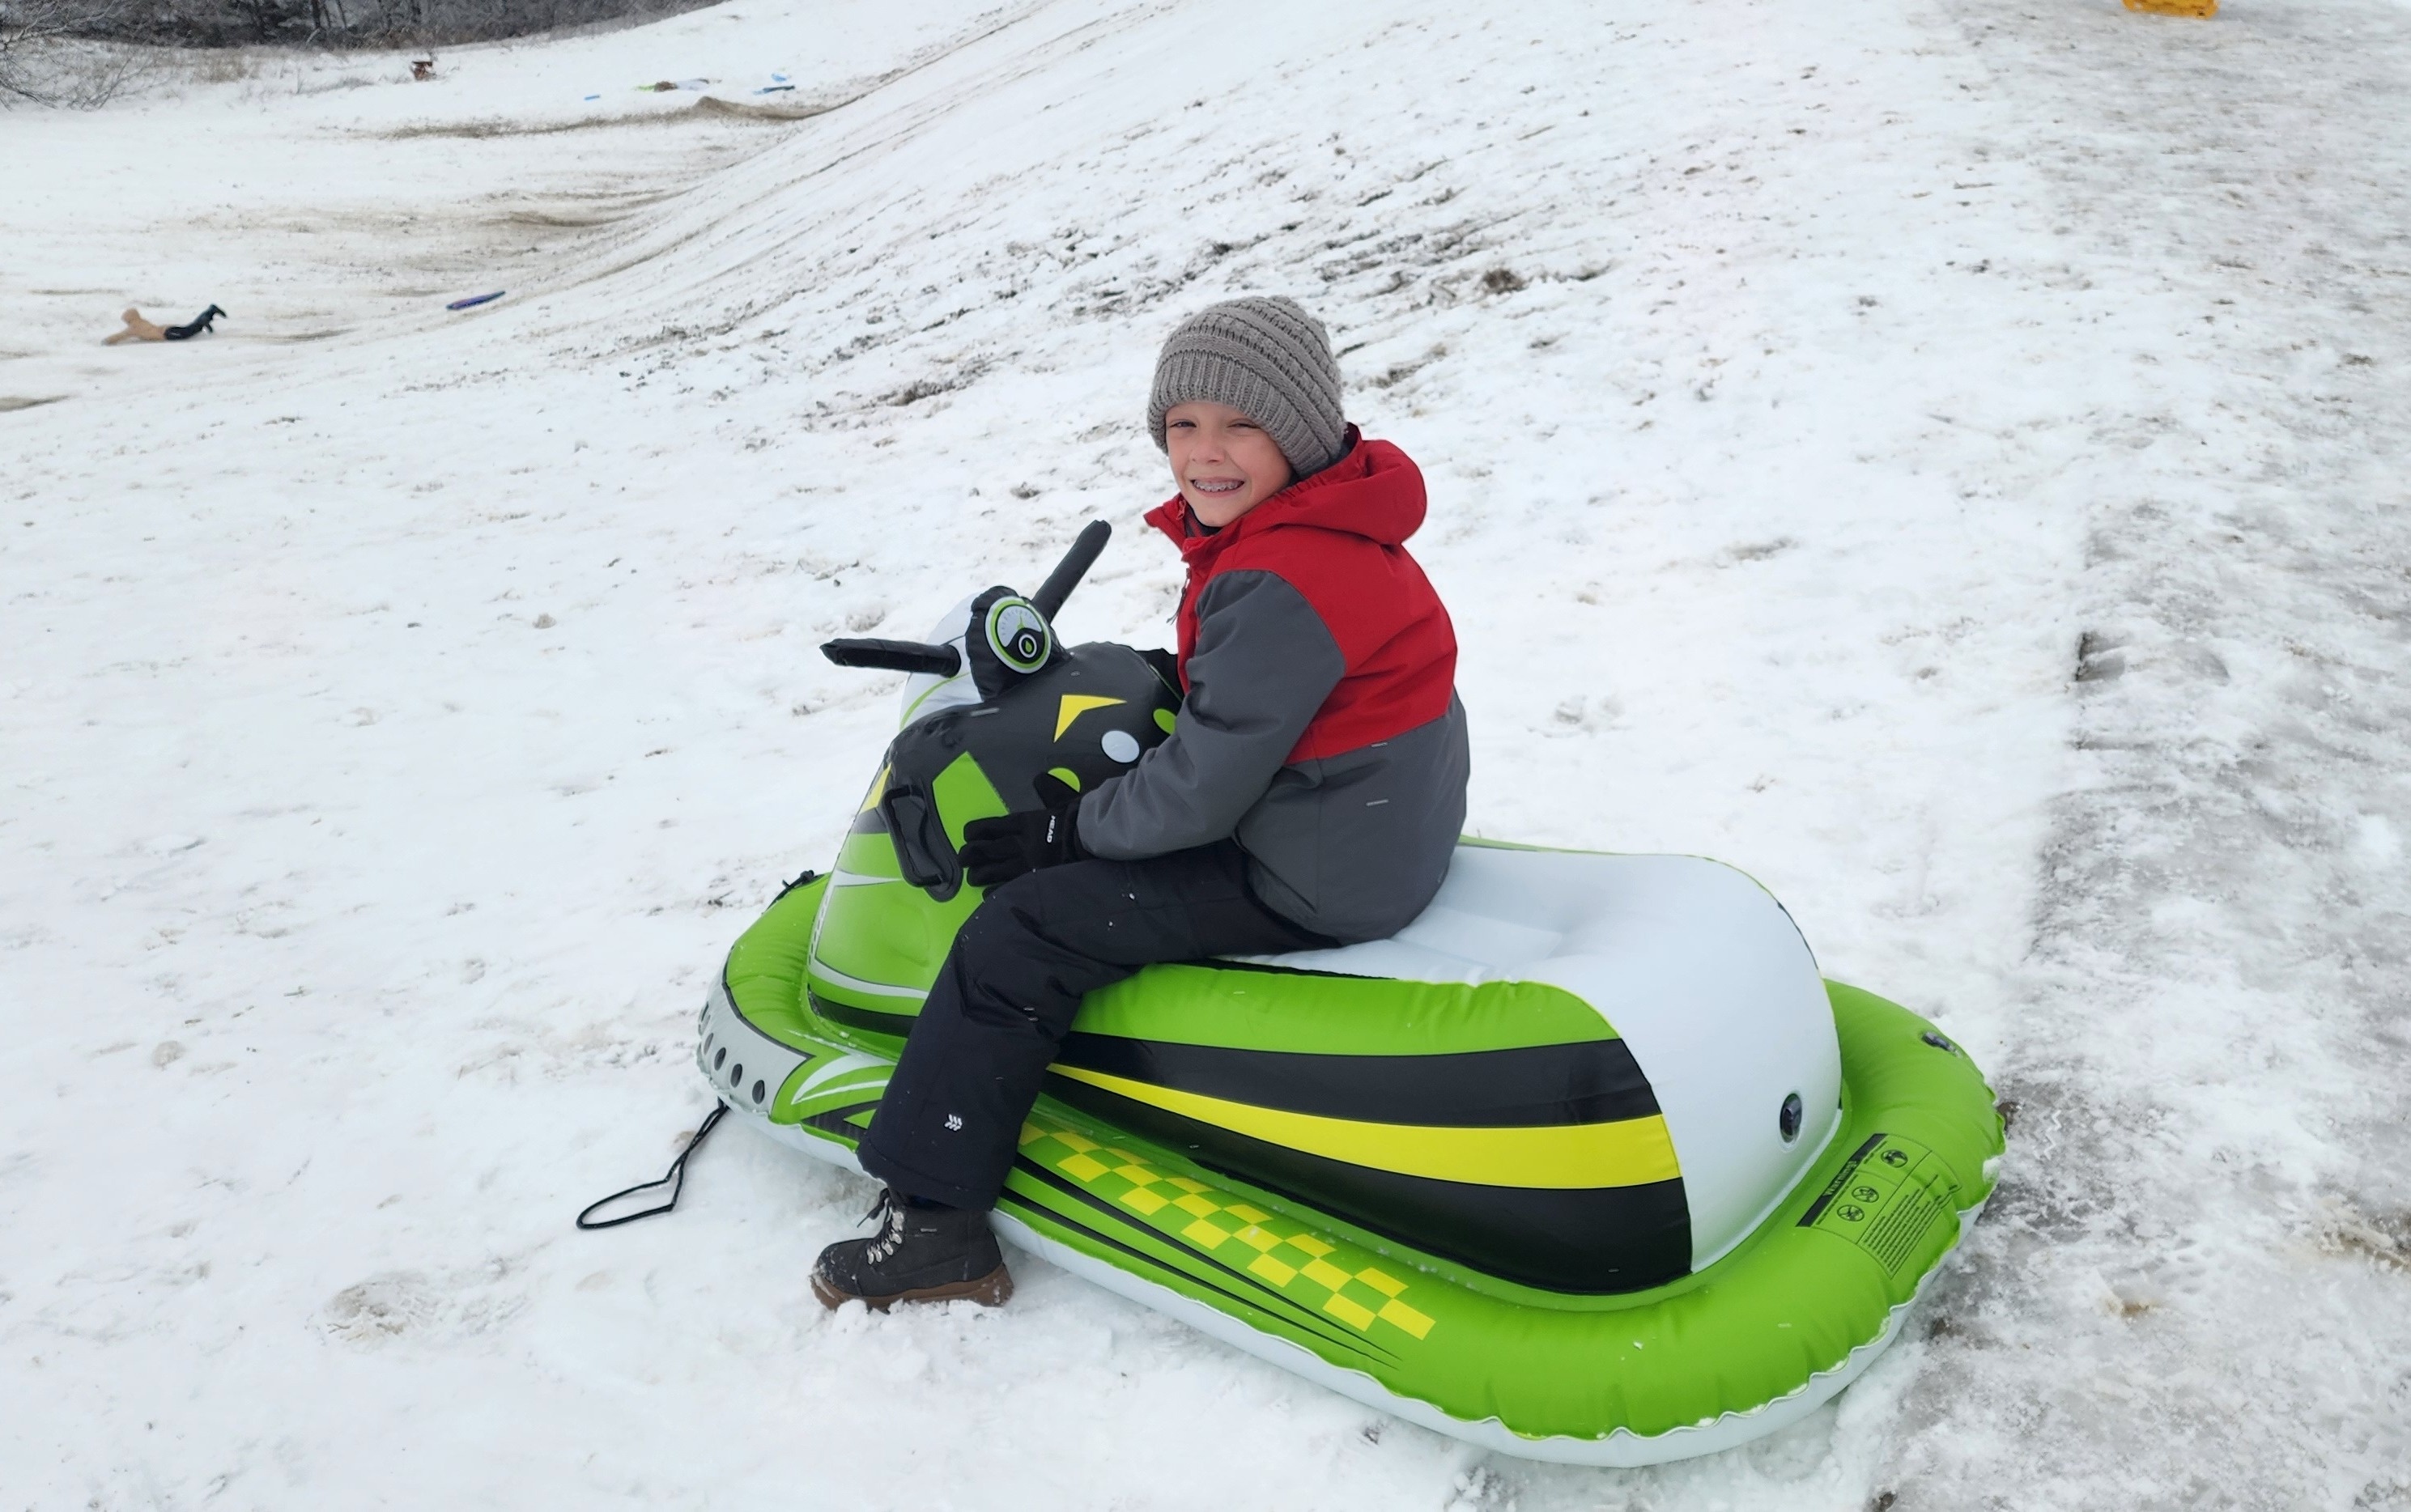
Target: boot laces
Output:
{"points": [[889, 1212]]}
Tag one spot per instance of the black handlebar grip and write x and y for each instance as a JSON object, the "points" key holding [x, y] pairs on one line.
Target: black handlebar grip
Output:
{"points": [[894, 655], [1074, 566]]}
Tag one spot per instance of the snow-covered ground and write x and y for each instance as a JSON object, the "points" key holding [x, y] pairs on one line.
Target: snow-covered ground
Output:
{"points": [[1946, 461]]}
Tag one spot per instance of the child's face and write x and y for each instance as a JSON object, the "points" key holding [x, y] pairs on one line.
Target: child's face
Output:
{"points": [[1223, 463]]}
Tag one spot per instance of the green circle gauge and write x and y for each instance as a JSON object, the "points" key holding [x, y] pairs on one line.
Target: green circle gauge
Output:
{"points": [[1018, 634]]}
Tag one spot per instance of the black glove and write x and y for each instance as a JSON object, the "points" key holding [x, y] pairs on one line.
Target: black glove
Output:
{"points": [[1000, 850]]}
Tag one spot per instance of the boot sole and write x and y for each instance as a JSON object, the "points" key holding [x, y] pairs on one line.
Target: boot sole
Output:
{"points": [[989, 1290]]}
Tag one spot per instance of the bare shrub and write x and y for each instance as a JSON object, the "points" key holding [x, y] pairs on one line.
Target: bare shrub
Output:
{"points": [[51, 52], [71, 52], [342, 24]]}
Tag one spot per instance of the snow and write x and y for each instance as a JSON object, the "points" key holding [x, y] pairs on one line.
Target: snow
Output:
{"points": [[1945, 461]]}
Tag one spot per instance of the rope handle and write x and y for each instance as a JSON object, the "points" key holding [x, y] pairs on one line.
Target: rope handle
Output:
{"points": [[673, 1178]]}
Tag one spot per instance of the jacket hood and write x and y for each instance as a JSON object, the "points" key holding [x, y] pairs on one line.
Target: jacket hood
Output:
{"points": [[1375, 490]]}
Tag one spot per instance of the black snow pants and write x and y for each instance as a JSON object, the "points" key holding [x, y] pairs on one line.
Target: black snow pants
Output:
{"points": [[951, 1120]]}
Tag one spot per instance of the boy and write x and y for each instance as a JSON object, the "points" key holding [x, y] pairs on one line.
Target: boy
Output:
{"points": [[1310, 795]]}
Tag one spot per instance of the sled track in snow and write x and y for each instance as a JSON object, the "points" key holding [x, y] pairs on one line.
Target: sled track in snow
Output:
{"points": [[2194, 1286], [767, 257]]}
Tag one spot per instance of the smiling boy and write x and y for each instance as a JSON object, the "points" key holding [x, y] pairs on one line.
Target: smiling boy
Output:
{"points": [[1309, 795]]}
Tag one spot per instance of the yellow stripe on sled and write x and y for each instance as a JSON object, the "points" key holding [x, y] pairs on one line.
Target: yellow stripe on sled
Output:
{"points": [[1628, 1152]]}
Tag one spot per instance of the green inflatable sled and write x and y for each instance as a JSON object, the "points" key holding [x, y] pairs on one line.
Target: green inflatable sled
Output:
{"points": [[1588, 1164]]}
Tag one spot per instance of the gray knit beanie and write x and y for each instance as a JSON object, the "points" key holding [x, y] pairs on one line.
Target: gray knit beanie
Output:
{"points": [[1268, 359]]}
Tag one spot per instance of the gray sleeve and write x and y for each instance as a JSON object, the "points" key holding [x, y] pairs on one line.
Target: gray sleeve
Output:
{"points": [[1262, 667]]}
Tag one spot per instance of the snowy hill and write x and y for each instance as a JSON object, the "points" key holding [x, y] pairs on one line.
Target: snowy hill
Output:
{"points": [[1945, 463]]}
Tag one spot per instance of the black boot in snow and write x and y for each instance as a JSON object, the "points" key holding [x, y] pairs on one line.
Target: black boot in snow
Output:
{"points": [[919, 1254]]}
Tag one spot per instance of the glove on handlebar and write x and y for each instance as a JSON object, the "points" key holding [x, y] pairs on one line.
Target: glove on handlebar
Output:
{"points": [[996, 850]]}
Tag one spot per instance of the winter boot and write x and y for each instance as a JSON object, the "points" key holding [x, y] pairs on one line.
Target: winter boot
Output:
{"points": [[919, 1254]]}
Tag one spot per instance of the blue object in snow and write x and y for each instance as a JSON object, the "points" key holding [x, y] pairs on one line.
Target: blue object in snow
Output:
{"points": [[475, 301], [593, 97]]}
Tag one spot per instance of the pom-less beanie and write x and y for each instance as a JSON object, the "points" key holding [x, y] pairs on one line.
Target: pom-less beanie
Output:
{"points": [[1268, 359]]}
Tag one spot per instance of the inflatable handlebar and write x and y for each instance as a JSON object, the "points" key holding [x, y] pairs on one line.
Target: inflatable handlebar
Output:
{"points": [[894, 655], [1074, 566]]}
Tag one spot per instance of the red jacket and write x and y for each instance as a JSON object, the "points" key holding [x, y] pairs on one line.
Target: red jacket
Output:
{"points": [[1318, 730], [1338, 538]]}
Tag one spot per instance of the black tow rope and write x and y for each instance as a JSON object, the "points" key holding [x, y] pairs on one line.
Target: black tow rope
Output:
{"points": [[673, 1178]]}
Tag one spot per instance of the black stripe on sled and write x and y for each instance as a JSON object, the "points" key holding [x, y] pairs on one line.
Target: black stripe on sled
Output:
{"points": [[1593, 1081]]}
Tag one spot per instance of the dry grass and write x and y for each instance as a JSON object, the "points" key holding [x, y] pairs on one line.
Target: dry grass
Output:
{"points": [[739, 110], [707, 109], [221, 65], [2384, 1238]]}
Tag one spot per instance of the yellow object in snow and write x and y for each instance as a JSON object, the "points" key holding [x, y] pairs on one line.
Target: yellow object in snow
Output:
{"points": [[2202, 8], [136, 329]]}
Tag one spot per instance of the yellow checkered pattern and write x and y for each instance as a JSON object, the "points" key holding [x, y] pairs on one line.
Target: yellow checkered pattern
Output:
{"points": [[1307, 1267]]}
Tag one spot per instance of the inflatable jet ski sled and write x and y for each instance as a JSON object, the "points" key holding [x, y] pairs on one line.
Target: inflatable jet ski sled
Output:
{"points": [[1588, 1164]]}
